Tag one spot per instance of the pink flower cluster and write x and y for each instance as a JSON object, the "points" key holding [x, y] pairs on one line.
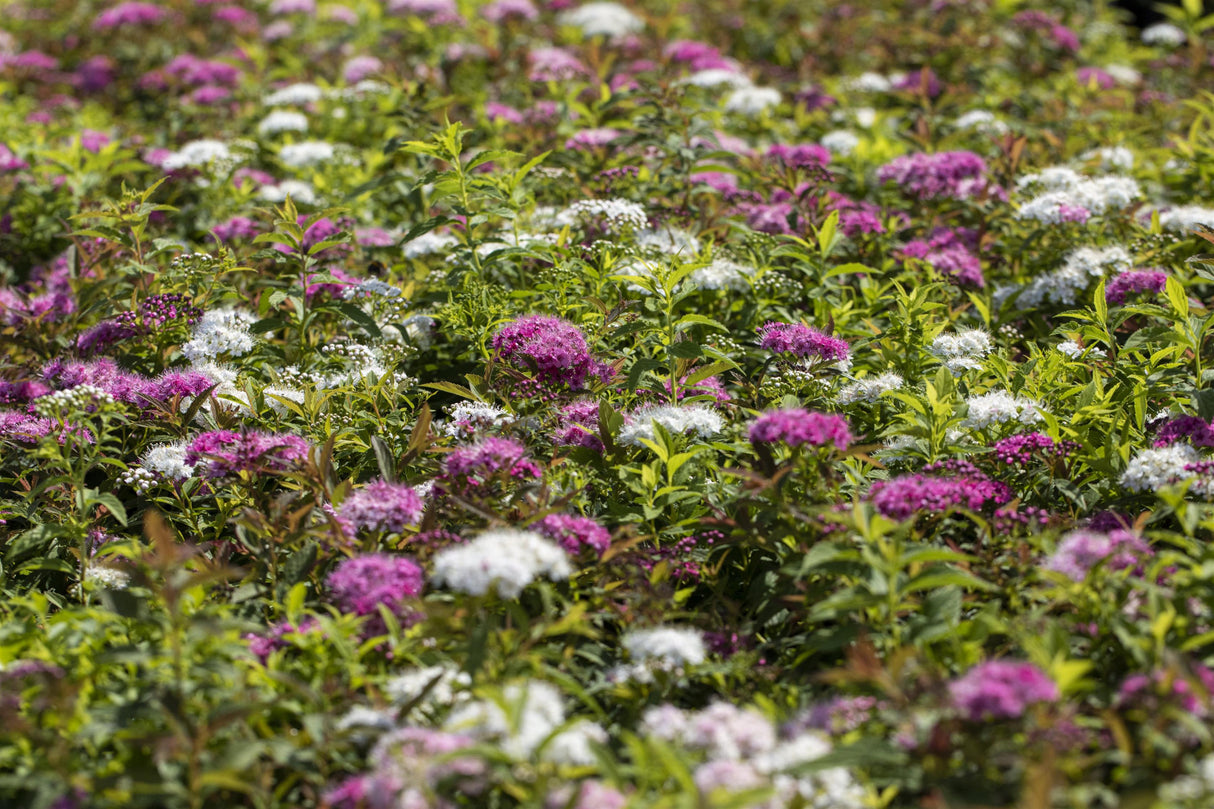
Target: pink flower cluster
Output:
{"points": [[1134, 281], [949, 253], [1080, 551], [574, 533], [226, 453], [360, 584], [127, 14], [903, 497], [1151, 692], [553, 352], [466, 469], [124, 386], [952, 175], [382, 506], [801, 341], [1020, 449], [1194, 429], [796, 427], [1001, 689]]}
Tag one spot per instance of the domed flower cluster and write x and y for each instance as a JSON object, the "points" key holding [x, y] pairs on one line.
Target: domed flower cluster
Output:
{"points": [[902, 497], [575, 533], [467, 469], [796, 427], [360, 584], [803, 342], [224, 453], [1080, 551], [1001, 689], [382, 506], [503, 561], [551, 352]]}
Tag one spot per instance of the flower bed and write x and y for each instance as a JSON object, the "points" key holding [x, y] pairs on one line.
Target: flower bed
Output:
{"points": [[437, 403]]}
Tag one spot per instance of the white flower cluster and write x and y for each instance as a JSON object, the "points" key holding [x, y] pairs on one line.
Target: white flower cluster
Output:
{"points": [[1060, 187], [1000, 407], [723, 273], [283, 121], [665, 647], [961, 351], [298, 190], [1163, 33], [1081, 267], [605, 19], [744, 752], [616, 215], [428, 688], [868, 82], [219, 332], [207, 152], [469, 418], [983, 121], [869, 389], [294, 95], [504, 561], [523, 723], [668, 240], [718, 76], [307, 153], [429, 243], [110, 578], [699, 420], [1194, 791], [840, 141], [752, 101], [1183, 218], [167, 461], [371, 288], [1152, 469], [1112, 157], [1071, 349]]}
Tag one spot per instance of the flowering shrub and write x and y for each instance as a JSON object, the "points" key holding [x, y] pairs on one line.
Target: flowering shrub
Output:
{"points": [[590, 405]]}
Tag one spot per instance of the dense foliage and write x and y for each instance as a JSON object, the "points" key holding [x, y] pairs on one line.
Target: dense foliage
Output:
{"points": [[438, 403]]}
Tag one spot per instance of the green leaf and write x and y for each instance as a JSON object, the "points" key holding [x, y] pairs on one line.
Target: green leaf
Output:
{"points": [[451, 387], [1177, 297], [932, 579], [361, 318]]}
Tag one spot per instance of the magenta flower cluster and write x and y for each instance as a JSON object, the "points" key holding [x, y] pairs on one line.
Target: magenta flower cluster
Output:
{"points": [[360, 584], [127, 14], [553, 352], [124, 386], [1048, 26], [951, 175], [1150, 692], [796, 427], [801, 341], [466, 469], [224, 453], [1193, 429], [574, 533], [275, 638], [805, 156], [382, 506], [579, 425], [949, 253], [1001, 689], [1018, 450], [903, 497], [1080, 551], [1134, 281]]}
